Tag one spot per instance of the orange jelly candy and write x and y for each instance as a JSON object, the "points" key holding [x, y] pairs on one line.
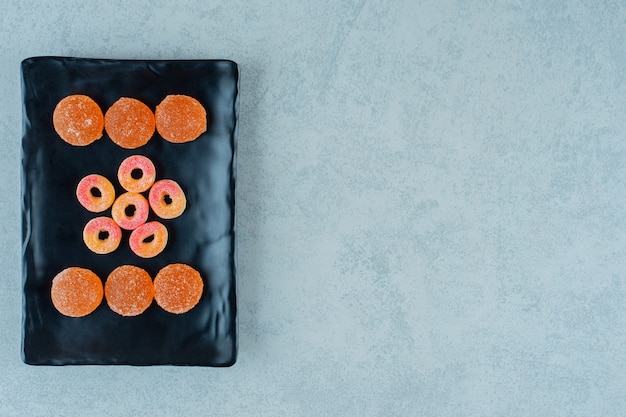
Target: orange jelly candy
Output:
{"points": [[78, 120], [129, 123], [178, 288], [129, 290], [76, 292], [180, 118]]}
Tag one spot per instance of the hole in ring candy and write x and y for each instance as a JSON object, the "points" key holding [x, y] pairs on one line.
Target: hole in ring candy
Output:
{"points": [[76, 292], [129, 290], [148, 240], [136, 173], [180, 118], [102, 235], [78, 120], [178, 288], [130, 210], [167, 199], [95, 193], [129, 123]]}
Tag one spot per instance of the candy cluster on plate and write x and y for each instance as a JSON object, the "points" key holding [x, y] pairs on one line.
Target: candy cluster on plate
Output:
{"points": [[130, 124], [129, 290], [130, 210]]}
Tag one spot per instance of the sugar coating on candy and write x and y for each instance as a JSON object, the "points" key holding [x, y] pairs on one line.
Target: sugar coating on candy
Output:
{"points": [[76, 292], [129, 123], [167, 199], [130, 210], [180, 118], [148, 240], [102, 235], [178, 288], [128, 290], [95, 193], [136, 173], [78, 120]]}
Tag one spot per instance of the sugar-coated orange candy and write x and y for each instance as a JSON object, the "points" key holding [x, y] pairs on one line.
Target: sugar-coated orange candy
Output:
{"points": [[167, 199], [95, 193], [129, 290], [129, 123], [78, 120], [148, 240], [178, 288], [130, 210], [76, 292], [136, 173], [180, 118], [102, 235]]}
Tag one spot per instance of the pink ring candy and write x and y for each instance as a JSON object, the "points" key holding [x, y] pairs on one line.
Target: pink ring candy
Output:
{"points": [[148, 240], [136, 173], [102, 235], [167, 199], [95, 193], [130, 210]]}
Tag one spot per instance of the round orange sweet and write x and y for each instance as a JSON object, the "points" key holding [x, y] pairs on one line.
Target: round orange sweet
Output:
{"points": [[180, 118], [130, 210], [148, 240], [129, 123], [129, 290], [95, 193], [178, 288], [76, 292], [102, 235], [78, 120]]}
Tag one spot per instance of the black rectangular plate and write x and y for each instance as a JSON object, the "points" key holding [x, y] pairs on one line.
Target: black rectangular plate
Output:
{"points": [[202, 237]]}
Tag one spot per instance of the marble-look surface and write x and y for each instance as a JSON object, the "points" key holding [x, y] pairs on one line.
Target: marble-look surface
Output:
{"points": [[431, 207]]}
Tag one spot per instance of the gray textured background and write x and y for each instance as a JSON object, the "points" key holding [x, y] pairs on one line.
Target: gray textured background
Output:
{"points": [[431, 207]]}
